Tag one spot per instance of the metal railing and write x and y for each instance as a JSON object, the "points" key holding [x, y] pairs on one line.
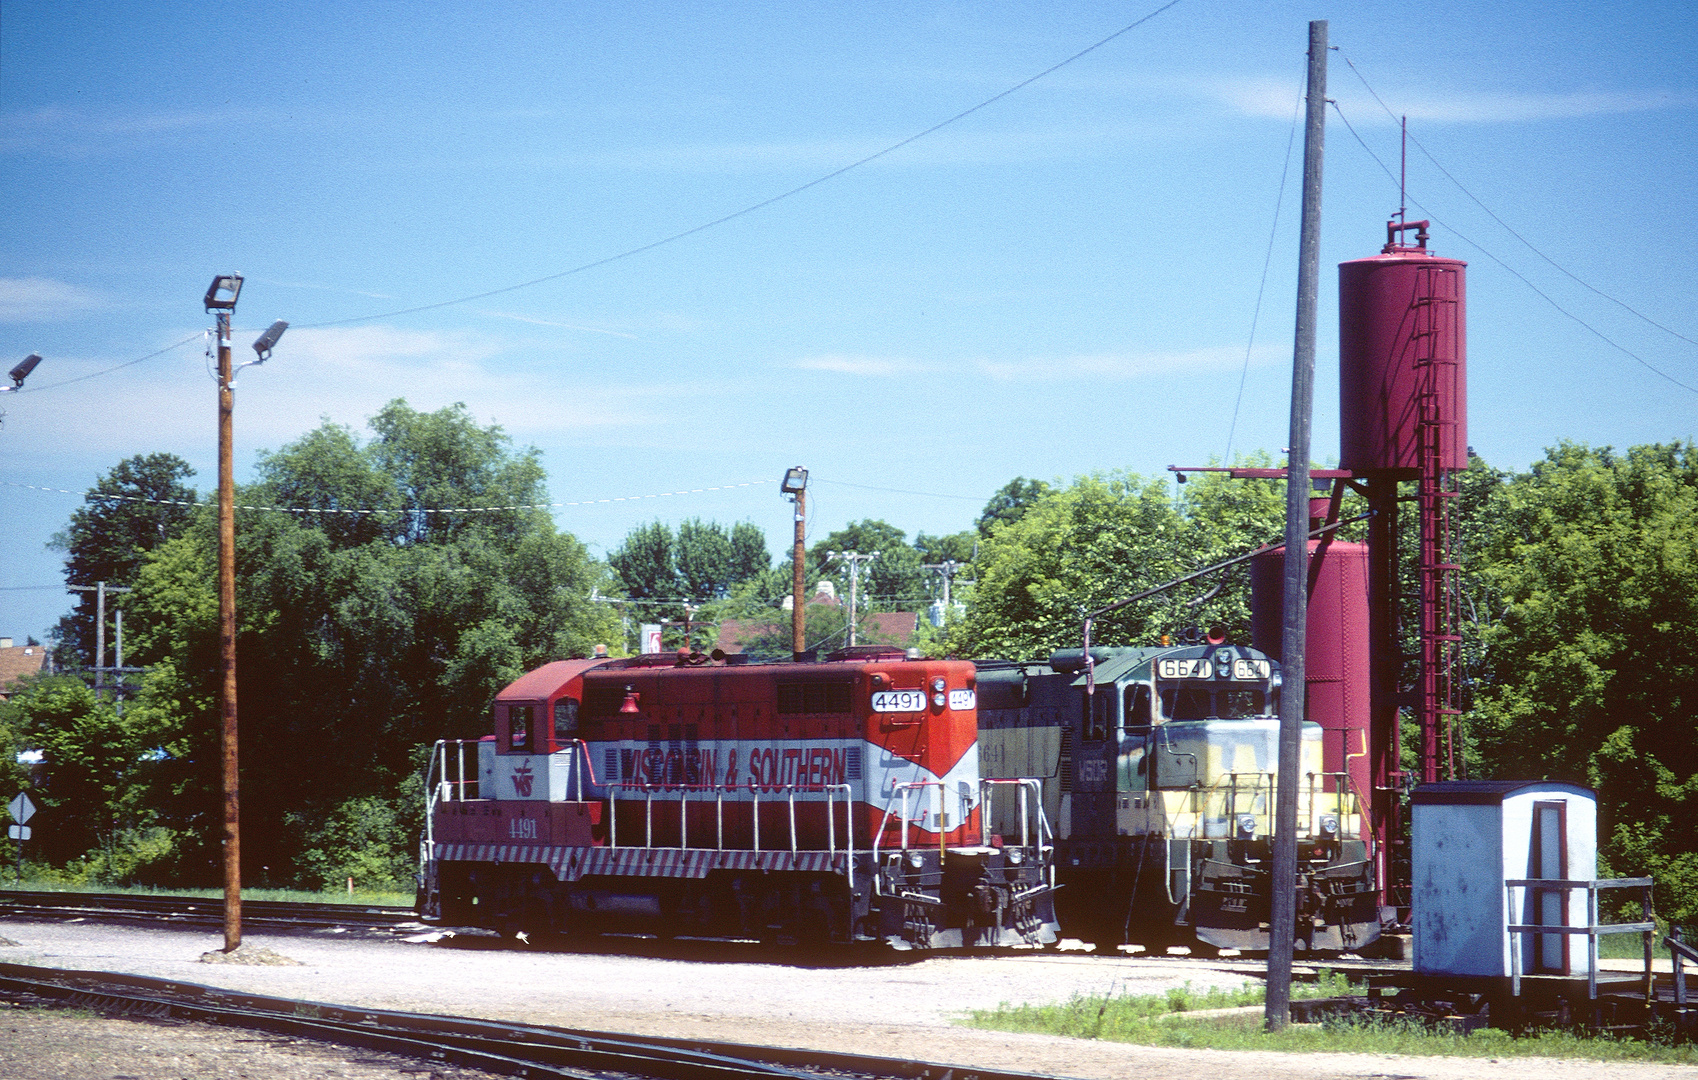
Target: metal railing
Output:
{"points": [[1592, 929], [1232, 789], [719, 792], [1034, 824]]}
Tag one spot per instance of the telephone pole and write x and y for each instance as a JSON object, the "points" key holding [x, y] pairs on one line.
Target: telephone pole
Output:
{"points": [[100, 589], [854, 559], [1282, 917], [947, 570]]}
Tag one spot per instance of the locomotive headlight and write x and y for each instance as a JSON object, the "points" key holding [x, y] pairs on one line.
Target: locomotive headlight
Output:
{"points": [[1014, 856], [1329, 824], [1246, 826], [938, 685], [916, 860]]}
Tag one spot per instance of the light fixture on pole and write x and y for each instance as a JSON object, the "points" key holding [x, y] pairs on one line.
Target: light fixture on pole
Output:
{"points": [[20, 372], [795, 485]]}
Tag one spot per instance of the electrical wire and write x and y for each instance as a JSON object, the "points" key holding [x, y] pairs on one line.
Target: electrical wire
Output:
{"points": [[128, 363], [1518, 275], [1507, 227], [1267, 261], [764, 203]]}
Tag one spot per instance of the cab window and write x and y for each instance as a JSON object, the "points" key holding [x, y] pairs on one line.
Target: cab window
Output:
{"points": [[566, 719], [1185, 703], [1098, 712], [1138, 706], [518, 727]]}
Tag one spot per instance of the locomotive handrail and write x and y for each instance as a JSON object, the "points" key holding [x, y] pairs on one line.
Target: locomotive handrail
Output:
{"points": [[649, 790], [904, 788], [1029, 813]]}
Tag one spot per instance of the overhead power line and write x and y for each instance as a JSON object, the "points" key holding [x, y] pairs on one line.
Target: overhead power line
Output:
{"points": [[1518, 275], [652, 245], [1507, 227], [764, 203], [110, 370]]}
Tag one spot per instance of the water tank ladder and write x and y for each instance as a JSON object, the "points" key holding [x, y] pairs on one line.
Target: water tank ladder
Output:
{"points": [[1435, 314]]}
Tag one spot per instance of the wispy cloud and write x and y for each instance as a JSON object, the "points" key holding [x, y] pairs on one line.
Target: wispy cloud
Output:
{"points": [[43, 300], [66, 132], [319, 288], [361, 368], [528, 320], [1120, 366], [1107, 365], [873, 367], [1273, 99]]}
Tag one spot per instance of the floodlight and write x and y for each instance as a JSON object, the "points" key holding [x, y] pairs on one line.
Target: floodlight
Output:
{"points": [[268, 340], [795, 480], [224, 283], [25, 366]]}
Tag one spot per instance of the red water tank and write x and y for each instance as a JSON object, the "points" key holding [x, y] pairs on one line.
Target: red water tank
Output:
{"points": [[1402, 352], [1336, 654]]}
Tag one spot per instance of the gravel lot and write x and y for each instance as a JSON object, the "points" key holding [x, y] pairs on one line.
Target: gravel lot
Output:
{"points": [[900, 1009]]}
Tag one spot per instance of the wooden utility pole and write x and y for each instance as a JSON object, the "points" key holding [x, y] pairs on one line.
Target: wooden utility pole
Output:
{"points": [[221, 309], [795, 485], [1282, 919]]}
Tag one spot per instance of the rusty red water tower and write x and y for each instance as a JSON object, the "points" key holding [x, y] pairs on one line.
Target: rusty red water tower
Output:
{"points": [[1402, 343]]}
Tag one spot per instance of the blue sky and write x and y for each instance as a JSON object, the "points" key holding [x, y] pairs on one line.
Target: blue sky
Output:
{"points": [[1061, 282]]}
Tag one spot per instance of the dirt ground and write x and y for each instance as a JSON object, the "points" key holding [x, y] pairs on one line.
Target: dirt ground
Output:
{"points": [[904, 1009]]}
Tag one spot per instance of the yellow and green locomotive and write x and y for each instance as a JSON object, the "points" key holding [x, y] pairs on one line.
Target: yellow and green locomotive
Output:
{"points": [[1158, 768]]}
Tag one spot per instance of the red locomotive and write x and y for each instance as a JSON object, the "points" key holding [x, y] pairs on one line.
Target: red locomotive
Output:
{"points": [[837, 800]]}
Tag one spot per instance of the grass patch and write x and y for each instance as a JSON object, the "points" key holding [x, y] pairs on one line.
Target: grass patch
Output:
{"points": [[1170, 1020], [374, 897]]}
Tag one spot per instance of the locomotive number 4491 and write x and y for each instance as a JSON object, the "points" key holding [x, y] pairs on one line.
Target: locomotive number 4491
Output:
{"points": [[522, 828], [899, 701]]}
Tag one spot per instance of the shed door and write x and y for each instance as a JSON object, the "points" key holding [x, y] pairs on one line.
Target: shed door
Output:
{"points": [[1550, 906]]}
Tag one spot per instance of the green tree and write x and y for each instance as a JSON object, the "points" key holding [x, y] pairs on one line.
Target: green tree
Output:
{"points": [[1010, 503], [131, 510], [94, 763], [891, 582], [1590, 673], [358, 644], [1103, 538], [645, 563]]}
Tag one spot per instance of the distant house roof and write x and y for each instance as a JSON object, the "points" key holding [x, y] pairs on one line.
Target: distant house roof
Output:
{"points": [[18, 661]]}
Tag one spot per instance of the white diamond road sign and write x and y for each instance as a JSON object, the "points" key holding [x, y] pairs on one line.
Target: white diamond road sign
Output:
{"points": [[21, 810]]}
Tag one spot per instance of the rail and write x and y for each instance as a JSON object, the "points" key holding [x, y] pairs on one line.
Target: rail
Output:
{"points": [[1592, 929]]}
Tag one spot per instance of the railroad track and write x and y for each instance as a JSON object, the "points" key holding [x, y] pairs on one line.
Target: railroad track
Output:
{"points": [[510, 1049], [195, 911]]}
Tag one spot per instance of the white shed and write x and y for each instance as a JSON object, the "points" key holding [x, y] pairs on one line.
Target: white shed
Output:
{"points": [[1469, 838]]}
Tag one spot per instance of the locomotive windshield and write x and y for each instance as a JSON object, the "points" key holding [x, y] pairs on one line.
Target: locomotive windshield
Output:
{"points": [[1230, 701]]}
